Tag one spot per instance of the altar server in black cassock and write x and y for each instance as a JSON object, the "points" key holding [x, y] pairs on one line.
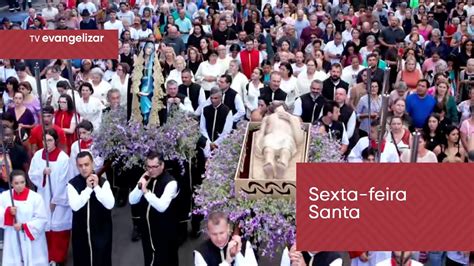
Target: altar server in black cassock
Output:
{"points": [[155, 193], [91, 200]]}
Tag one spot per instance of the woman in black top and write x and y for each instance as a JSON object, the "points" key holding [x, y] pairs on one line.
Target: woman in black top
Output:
{"points": [[205, 48], [451, 149], [267, 20], [253, 18], [433, 132], [194, 59], [195, 38], [467, 52]]}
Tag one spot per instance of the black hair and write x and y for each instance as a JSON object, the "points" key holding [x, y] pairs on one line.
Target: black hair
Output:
{"points": [[28, 183], [234, 48], [87, 125], [14, 82], [266, 100], [329, 107], [425, 81], [228, 78], [48, 109], [88, 85], [63, 84], [368, 152], [288, 67], [70, 104], [20, 66], [83, 154], [154, 154], [114, 64], [7, 116], [265, 62], [52, 132]]}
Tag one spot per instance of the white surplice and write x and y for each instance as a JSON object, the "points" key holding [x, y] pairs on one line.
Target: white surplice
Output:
{"points": [[31, 213], [61, 218]]}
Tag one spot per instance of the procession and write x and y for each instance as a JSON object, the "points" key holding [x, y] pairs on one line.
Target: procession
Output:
{"points": [[193, 133]]}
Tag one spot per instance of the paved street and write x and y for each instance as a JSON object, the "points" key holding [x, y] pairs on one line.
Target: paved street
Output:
{"points": [[127, 253]]}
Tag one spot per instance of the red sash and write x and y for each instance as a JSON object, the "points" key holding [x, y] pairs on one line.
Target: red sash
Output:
{"points": [[53, 155], [375, 146], [85, 145]]}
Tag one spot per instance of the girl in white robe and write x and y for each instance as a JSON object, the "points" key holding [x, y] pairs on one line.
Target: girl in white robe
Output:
{"points": [[59, 214], [30, 217], [85, 142]]}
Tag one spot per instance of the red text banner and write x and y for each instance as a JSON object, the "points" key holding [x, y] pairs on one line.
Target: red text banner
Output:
{"points": [[375, 207], [59, 44]]}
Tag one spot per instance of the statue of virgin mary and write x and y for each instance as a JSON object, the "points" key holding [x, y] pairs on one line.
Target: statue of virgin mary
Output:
{"points": [[147, 79]]}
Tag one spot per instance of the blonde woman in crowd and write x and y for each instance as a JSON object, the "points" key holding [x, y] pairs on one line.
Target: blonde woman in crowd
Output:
{"points": [[175, 74]]}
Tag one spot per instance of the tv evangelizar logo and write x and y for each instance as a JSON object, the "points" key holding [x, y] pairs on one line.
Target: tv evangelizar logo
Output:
{"points": [[53, 44], [68, 38]]}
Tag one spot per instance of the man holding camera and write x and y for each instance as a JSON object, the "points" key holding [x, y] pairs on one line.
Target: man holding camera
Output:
{"points": [[155, 195]]}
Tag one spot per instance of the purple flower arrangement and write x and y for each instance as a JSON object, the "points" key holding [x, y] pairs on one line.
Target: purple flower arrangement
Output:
{"points": [[269, 223], [128, 142]]}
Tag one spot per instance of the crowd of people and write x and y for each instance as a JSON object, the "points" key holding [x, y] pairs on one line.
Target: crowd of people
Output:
{"points": [[383, 78]]}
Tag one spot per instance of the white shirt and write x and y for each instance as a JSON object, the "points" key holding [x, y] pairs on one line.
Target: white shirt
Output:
{"points": [[251, 96], [297, 70], [285, 259], [143, 34], [175, 75], [116, 83], [100, 91], [91, 111], [185, 107], [206, 69], [61, 218], [303, 82], [50, 15], [224, 63], [289, 86], [6, 73], [351, 124], [117, 25], [160, 204], [364, 52], [469, 10], [89, 6], [239, 82], [389, 155], [332, 48], [128, 16], [103, 194], [347, 36], [349, 74], [239, 260]]}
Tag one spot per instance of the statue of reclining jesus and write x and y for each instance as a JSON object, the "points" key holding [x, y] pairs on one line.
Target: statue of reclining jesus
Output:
{"points": [[278, 140]]}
